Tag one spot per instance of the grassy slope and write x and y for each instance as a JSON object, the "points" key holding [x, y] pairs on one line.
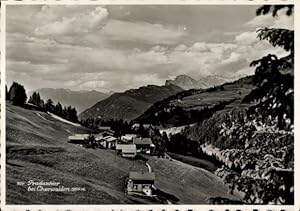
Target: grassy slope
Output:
{"points": [[37, 149], [189, 184], [201, 163], [198, 99], [233, 90]]}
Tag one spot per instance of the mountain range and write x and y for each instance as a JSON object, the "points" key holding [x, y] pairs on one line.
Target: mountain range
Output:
{"points": [[186, 82], [129, 104], [81, 100]]}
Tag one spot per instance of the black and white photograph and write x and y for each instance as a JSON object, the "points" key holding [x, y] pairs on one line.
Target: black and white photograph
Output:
{"points": [[170, 104]]}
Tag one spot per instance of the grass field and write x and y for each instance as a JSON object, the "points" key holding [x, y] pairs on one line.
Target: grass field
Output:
{"points": [[230, 91], [190, 185], [38, 149], [197, 162]]}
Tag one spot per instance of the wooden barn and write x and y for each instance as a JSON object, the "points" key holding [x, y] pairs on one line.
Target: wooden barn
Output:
{"points": [[140, 182], [108, 142], [143, 145], [78, 138], [126, 150]]}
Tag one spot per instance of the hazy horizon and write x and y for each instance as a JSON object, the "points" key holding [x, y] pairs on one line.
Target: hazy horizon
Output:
{"points": [[112, 91]]}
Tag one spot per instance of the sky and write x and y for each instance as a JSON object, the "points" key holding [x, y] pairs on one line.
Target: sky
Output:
{"points": [[119, 47]]}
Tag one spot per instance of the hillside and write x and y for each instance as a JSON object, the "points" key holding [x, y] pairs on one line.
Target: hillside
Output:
{"points": [[37, 149], [192, 106], [186, 82], [254, 142], [81, 100], [129, 104]]}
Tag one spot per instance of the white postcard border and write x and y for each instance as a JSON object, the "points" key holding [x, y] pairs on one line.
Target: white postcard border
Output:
{"points": [[114, 207]]}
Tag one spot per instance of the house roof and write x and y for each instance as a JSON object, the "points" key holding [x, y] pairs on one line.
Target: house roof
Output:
{"points": [[81, 134], [76, 138], [98, 136], [146, 126], [110, 138], [137, 125], [126, 147], [104, 127], [79, 137], [148, 176], [142, 141], [106, 133], [85, 136], [128, 136]]}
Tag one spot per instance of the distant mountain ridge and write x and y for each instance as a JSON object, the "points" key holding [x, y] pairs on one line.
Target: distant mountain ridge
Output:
{"points": [[81, 100], [186, 82], [132, 103], [129, 104]]}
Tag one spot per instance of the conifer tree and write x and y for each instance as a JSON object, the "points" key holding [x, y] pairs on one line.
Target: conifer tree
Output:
{"points": [[58, 109], [49, 106], [17, 94]]}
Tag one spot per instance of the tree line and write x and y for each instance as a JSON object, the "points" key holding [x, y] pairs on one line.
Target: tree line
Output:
{"points": [[178, 116], [17, 95], [119, 126]]}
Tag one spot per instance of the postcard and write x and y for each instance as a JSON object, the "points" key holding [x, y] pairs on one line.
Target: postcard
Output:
{"points": [[148, 105]]}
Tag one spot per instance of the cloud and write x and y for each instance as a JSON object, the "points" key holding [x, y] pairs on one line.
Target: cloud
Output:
{"points": [[84, 47], [201, 47], [284, 22], [80, 67], [142, 32], [81, 23], [280, 21], [93, 85], [180, 47], [247, 38], [234, 57], [89, 26]]}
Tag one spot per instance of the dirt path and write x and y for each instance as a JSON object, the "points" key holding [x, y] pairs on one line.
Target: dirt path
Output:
{"points": [[41, 116], [149, 167]]}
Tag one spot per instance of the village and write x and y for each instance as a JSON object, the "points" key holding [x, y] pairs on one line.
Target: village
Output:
{"points": [[129, 146]]}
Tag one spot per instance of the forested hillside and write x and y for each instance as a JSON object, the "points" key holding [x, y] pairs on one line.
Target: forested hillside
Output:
{"points": [[129, 104], [193, 105]]}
